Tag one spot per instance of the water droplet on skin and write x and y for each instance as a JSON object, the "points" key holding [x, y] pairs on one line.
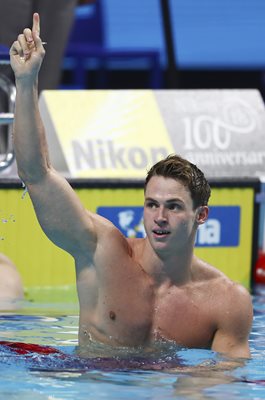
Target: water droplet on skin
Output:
{"points": [[87, 334]]}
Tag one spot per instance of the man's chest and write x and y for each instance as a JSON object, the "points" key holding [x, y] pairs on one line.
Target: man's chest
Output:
{"points": [[188, 323], [135, 317]]}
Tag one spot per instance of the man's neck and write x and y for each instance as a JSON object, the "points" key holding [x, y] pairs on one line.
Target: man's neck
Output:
{"points": [[166, 266]]}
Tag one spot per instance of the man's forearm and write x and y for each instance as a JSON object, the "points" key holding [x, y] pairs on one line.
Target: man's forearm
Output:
{"points": [[29, 135]]}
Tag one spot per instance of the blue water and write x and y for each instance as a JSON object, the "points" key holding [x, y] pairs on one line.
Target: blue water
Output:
{"points": [[129, 376]]}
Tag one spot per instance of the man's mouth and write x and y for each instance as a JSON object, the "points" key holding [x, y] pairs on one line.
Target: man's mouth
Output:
{"points": [[160, 232]]}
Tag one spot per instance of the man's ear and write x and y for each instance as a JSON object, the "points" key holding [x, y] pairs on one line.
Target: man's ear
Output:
{"points": [[202, 214]]}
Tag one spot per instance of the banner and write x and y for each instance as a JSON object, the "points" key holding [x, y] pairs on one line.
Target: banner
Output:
{"points": [[121, 133], [226, 240], [104, 134]]}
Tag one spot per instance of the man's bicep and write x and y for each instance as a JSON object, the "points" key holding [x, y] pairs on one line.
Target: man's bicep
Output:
{"points": [[61, 214], [234, 326], [230, 345]]}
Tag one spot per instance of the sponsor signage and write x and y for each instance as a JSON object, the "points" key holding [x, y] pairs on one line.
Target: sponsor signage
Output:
{"points": [[129, 220], [221, 131], [104, 134], [222, 229], [225, 241], [121, 133]]}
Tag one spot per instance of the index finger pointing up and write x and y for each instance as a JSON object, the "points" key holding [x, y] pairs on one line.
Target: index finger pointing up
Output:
{"points": [[36, 24]]}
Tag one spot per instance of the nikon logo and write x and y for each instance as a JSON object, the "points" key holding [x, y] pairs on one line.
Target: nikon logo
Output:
{"points": [[103, 154]]}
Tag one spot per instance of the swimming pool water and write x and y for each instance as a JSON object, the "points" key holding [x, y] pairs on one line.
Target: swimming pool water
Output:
{"points": [[51, 377]]}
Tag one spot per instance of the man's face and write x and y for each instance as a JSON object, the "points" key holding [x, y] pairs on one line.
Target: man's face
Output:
{"points": [[169, 218]]}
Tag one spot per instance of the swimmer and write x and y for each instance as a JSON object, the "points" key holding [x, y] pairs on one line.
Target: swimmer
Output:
{"points": [[11, 287], [132, 292]]}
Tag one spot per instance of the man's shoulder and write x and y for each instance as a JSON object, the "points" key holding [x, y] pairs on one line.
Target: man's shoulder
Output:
{"points": [[218, 281], [204, 272], [234, 309], [230, 300], [230, 291]]}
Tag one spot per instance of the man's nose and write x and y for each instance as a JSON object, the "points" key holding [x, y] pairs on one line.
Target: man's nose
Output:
{"points": [[161, 216]]}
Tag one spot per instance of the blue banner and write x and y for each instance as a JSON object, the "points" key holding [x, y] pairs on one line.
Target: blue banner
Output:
{"points": [[222, 229]]}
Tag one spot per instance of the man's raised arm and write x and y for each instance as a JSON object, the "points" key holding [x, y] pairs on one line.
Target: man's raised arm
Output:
{"points": [[58, 209], [26, 55]]}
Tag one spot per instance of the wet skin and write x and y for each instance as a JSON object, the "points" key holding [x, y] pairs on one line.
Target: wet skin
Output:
{"points": [[153, 288], [131, 291]]}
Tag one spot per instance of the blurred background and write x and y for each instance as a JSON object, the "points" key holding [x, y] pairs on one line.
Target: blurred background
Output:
{"points": [[206, 44]]}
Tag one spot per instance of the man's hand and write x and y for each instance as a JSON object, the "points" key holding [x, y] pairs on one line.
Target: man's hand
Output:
{"points": [[27, 52]]}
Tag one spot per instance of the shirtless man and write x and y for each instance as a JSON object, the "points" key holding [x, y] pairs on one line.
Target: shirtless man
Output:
{"points": [[131, 291]]}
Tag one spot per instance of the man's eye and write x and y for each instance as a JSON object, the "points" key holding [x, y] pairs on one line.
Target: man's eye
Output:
{"points": [[174, 206], [151, 205]]}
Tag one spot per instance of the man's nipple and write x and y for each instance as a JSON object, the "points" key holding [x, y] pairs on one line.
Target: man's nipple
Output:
{"points": [[112, 315]]}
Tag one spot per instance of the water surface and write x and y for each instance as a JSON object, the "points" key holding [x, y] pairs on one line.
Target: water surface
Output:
{"points": [[123, 373]]}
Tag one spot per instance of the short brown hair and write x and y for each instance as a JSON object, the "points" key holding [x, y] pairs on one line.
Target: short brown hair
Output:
{"points": [[180, 169]]}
